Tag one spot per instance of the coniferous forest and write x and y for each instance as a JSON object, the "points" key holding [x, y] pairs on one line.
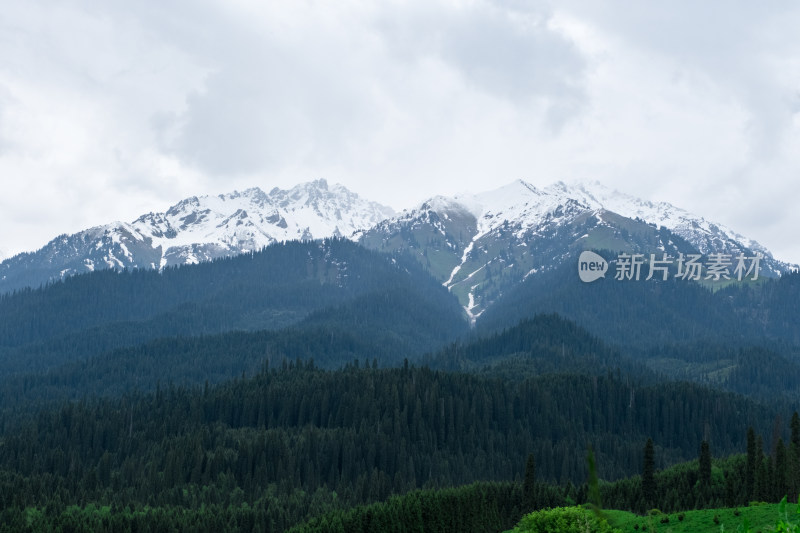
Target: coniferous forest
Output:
{"points": [[318, 386]]}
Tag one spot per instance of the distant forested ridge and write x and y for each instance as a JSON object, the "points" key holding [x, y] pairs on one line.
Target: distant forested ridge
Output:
{"points": [[387, 299], [645, 314]]}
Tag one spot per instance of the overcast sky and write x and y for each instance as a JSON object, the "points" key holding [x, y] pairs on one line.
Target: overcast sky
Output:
{"points": [[112, 109]]}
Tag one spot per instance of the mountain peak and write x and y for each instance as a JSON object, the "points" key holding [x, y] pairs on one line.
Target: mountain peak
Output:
{"points": [[316, 188], [518, 230], [320, 183], [510, 193], [705, 235], [513, 231], [200, 228]]}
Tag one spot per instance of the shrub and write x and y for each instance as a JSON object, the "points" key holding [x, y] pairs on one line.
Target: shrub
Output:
{"points": [[563, 519]]}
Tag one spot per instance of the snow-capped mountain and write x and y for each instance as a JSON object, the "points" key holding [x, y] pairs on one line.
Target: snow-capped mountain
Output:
{"points": [[199, 229], [704, 235], [480, 245]]}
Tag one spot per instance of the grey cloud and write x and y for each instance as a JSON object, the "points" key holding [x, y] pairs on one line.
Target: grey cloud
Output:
{"points": [[5, 141], [274, 98], [506, 49], [269, 100], [518, 60], [735, 45], [256, 116]]}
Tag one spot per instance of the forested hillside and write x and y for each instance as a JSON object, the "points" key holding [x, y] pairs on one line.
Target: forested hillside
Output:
{"points": [[296, 439], [742, 337], [539, 345], [652, 313], [282, 285], [257, 392]]}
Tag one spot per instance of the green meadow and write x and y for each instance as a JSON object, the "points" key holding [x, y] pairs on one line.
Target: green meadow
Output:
{"points": [[758, 517]]}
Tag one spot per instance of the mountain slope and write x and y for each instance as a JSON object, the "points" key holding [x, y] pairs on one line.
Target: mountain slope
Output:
{"points": [[280, 286], [652, 313], [544, 344], [198, 229], [482, 246], [742, 338]]}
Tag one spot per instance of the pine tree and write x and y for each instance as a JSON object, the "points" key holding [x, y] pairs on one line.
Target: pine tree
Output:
{"points": [[750, 473], [730, 490], [793, 459], [705, 465], [595, 499], [780, 488], [529, 488], [761, 481], [648, 474]]}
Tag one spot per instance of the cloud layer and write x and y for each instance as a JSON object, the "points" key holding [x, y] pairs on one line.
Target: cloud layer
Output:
{"points": [[111, 109]]}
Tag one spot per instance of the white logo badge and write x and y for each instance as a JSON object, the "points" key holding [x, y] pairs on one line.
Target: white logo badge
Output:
{"points": [[591, 266]]}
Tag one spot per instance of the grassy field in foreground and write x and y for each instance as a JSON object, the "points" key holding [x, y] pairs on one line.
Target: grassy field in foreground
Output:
{"points": [[759, 517]]}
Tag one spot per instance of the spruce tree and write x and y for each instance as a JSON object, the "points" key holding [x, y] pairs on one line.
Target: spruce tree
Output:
{"points": [[780, 488], [648, 474], [529, 488], [795, 425], [761, 482], [705, 465], [750, 473], [793, 459]]}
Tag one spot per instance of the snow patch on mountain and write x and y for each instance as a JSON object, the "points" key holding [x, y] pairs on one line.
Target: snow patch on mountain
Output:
{"points": [[517, 217], [245, 221], [464, 257], [704, 235], [198, 229], [527, 207], [453, 236]]}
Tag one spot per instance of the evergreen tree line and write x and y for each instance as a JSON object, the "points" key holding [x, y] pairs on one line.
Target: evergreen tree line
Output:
{"points": [[760, 475], [187, 361], [485, 507], [737, 480], [476, 508], [768, 372], [351, 436], [545, 344]]}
